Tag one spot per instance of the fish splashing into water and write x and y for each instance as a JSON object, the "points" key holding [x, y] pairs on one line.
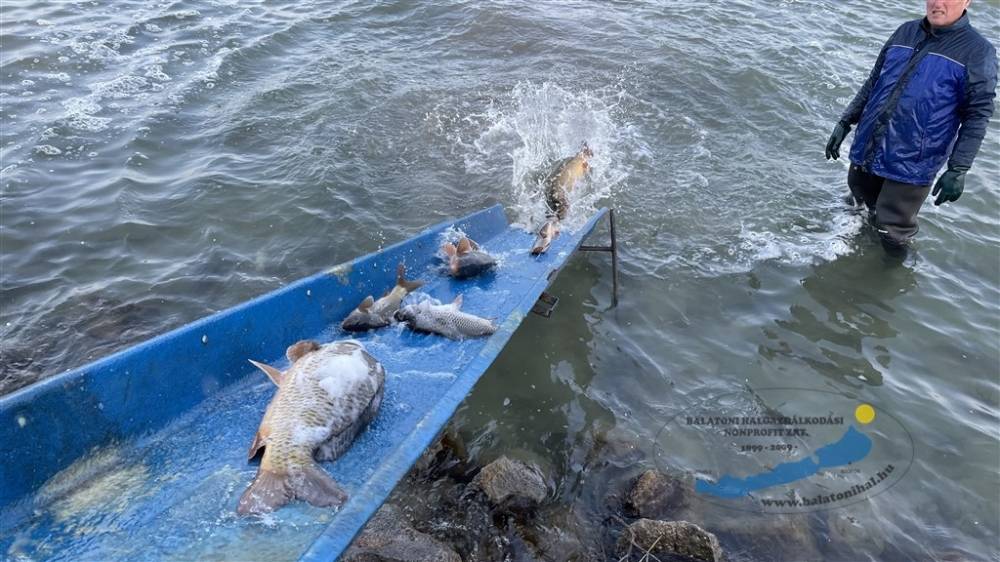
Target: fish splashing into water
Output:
{"points": [[563, 179]]}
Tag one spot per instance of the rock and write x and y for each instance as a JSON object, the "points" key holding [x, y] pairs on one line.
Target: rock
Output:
{"points": [[616, 446], [770, 536], [857, 528], [512, 483], [447, 455], [654, 495], [388, 537], [665, 538]]}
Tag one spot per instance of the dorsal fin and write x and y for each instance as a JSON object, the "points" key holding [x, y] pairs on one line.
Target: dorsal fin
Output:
{"points": [[457, 303], [464, 246], [275, 375], [449, 249], [401, 281], [298, 349], [367, 304]]}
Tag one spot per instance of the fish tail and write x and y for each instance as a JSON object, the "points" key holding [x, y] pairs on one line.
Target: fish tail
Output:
{"points": [[271, 490], [401, 280]]}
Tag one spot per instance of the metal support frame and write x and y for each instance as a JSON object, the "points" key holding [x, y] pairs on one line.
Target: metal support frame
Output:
{"points": [[546, 303], [613, 248]]}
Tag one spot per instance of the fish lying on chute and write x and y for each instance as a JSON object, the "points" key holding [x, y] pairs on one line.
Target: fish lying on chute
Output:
{"points": [[371, 313], [325, 398], [465, 259], [445, 319]]}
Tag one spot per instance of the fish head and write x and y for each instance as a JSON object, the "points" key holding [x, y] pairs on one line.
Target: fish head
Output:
{"points": [[406, 314], [362, 320]]}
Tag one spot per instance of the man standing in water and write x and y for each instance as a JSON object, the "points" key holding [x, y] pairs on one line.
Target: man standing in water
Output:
{"points": [[933, 81]]}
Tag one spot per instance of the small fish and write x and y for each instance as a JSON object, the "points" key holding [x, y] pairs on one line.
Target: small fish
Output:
{"points": [[445, 319], [371, 313], [560, 182], [324, 399], [466, 259], [546, 234]]}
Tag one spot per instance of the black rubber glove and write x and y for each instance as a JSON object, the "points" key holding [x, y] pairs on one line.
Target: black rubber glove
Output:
{"points": [[950, 185], [837, 137]]}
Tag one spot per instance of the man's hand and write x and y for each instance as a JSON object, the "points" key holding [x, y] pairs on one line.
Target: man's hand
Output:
{"points": [[950, 185], [837, 137]]}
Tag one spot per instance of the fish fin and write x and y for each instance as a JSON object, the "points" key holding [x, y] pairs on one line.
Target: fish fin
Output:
{"points": [[449, 249], [366, 304], [275, 375], [457, 303], [268, 492], [401, 281], [258, 443], [464, 247], [318, 488], [473, 244], [299, 349]]}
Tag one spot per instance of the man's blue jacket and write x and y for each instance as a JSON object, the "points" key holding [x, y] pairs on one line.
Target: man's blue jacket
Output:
{"points": [[927, 85]]}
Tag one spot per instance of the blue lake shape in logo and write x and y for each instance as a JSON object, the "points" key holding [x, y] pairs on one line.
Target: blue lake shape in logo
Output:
{"points": [[851, 447]]}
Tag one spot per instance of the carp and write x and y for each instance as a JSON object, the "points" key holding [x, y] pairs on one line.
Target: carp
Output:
{"points": [[328, 394], [557, 185], [465, 259], [445, 320], [371, 313]]}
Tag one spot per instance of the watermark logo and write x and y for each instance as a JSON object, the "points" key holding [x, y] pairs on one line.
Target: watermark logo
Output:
{"points": [[786, 450]]}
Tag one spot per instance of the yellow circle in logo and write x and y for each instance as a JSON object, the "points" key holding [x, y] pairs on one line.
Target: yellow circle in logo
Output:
{"points": [[865, 414]]}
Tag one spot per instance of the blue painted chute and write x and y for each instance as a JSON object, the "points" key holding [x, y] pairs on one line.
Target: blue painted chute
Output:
{"points": [[142, 455]]}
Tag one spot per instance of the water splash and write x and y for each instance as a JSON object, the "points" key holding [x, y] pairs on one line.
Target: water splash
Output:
{"points": [[541, 123]]}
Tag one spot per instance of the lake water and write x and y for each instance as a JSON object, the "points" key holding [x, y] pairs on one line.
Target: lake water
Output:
{"points": [[165, 160]]}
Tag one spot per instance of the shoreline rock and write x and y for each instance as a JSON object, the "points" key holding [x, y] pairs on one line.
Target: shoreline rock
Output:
{"points": [[663, 538], [389, 537], [512, 484]]}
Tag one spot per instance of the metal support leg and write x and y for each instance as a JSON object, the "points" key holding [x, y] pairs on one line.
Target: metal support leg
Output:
{"points": [[614, 259], [613, 249]]}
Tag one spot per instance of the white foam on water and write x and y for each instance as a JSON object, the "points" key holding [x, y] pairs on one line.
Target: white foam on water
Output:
{"points": [[792, 245], [120, 87], [48, 150]]}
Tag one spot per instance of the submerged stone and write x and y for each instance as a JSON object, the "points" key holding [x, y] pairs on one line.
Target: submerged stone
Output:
{"points": [[654, 495], [512, 483], [388, 537], [669, 538]]}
